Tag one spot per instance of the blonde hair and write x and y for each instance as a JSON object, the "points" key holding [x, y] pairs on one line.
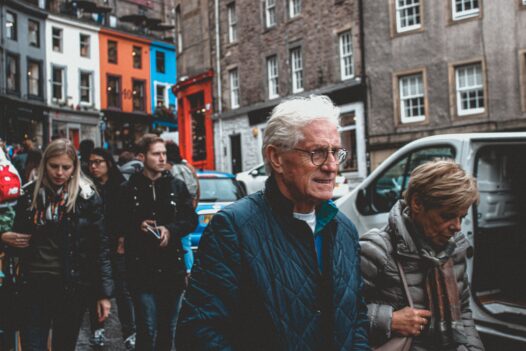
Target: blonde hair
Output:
{"points": [[442, 183], [56, 148]]}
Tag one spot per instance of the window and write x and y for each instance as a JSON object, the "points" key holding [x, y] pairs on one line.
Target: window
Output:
{"points": [[113, 91], [294, 8], [470, 89], [465, 8], [12, 73], [57, 84], [412, 105], [137, 57], [234, 88], [348, 138], [138, 95], [33, 33], [346, 58], [270, 13], [389, 187], [232, 23], [112, 51], [272, 77], [10, 23], [178, 29], [56, 39], [407, 15], [160, 95], [86, 79], [159, 62], [85, 45], [34, 79], [296, 63]]}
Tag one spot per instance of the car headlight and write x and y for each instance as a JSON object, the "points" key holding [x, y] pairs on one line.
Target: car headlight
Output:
{"points": [[204, 219]]}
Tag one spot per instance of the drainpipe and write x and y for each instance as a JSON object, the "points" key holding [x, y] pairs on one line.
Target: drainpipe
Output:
{"points": [[219, 95], [365, 84]]}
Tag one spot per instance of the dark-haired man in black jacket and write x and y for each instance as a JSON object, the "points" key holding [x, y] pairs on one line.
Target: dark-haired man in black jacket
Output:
{"points": [[156, 212]]}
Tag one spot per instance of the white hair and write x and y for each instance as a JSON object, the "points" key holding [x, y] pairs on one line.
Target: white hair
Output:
{"points": [[284, 127]]}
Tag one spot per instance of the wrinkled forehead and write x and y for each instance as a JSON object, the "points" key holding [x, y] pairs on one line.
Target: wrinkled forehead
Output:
{"points": [[320, 132]]}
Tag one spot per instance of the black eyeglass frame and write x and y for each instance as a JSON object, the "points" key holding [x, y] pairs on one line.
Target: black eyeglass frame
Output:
{"points": [[335, 153]]}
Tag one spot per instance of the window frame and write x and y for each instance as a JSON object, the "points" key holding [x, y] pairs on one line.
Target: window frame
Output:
{"points": [[115, 44], [460, 112], [294, 8], [270, 13], [90, 88], [343, 56], [118, 99], [165, 95], [403, 119], [233, 78], [143, 103], [296, 71], [29, 32], [137, 52], [39, 94], [398, 22], [12, 33], [272, 79], [59, 37], [232, 22], [62, 84], [88, 37], [158, 54], [459, 16], [16, 58]]}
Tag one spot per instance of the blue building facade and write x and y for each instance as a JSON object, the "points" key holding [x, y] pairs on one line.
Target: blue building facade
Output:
{"points": [[163, 77]]}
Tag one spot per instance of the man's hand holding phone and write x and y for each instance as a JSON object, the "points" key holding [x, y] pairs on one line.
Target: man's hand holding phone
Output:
{"points": [[160, 232]]}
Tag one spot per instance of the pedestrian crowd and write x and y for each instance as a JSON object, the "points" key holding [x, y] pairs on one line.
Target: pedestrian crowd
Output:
{"points": [[280, 269]]}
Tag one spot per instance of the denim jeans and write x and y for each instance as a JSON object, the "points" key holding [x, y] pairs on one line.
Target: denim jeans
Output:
{"points": [[156, 318], [46, 304]]}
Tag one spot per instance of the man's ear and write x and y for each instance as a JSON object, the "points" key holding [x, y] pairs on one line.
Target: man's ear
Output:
{"points": [[274, 158], [140, 156]]}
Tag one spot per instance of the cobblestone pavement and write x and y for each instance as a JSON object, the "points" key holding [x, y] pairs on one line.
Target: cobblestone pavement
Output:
{"points": [[113, 333]]}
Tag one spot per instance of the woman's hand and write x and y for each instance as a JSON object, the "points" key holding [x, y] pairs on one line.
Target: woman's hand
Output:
{"points": [[18, 240], [409, 321], [103, 309], [165, 236]]}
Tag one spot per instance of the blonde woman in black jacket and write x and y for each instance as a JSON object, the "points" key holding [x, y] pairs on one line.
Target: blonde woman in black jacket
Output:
{"points": [[64, 254]]}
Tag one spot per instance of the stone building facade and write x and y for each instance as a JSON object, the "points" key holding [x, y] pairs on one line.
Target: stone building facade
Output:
{"points": [[443, 67], [271, 50]]}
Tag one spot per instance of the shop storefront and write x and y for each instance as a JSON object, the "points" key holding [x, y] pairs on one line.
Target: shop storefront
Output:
{"points": [[75, 126]]}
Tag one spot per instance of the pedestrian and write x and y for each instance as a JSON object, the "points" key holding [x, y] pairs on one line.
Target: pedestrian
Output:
{"points": [[20, 157], [85, 148], [157, 212], [59, 237], [34, 156], [184, 171], [129, 164], [108, 179], [423, 237], [280, 268]]}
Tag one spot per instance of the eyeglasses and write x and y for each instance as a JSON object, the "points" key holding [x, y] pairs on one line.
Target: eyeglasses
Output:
{"points": [[95, 162], [319, 157]]}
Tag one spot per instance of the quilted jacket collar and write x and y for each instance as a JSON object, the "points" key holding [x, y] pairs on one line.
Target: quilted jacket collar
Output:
{"points": [[325, 212]]}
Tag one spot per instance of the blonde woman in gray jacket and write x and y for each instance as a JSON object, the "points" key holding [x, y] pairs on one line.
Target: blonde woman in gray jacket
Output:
{"points": [[423, 235]]}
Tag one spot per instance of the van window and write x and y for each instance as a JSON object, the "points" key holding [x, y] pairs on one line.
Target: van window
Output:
{"points": [[389, 187]]}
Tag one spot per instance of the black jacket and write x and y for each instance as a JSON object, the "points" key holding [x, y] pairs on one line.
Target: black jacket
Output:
{"points": [[85, 251], [256, 284], [167, 201]]}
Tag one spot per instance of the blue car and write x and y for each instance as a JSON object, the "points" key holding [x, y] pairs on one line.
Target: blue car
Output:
{"points": [[218, 190]]}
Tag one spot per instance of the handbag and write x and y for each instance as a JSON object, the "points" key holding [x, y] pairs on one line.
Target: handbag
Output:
{"points": [[399, 343]]}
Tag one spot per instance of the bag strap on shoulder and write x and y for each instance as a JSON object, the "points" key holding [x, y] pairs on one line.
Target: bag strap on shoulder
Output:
{"points": [[404, 283]]}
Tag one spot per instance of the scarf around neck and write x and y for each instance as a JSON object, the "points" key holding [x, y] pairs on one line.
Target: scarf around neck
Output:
{"points": [[51, 206]]}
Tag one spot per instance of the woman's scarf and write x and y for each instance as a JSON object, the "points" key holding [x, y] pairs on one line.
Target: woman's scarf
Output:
{"points": [[51, 206]]}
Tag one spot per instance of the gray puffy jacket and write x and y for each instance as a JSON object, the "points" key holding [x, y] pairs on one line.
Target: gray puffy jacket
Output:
{"points": [[383, 287]]}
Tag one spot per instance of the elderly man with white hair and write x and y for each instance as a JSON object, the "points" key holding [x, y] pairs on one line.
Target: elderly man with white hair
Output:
{"points": [[280, 269]]}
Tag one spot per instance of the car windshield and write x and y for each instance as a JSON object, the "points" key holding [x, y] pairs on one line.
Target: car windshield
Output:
{"points": [[219, 190]]}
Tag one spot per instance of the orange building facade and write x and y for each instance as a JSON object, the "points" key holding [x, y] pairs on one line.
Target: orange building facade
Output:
{"points": [[194, 118], [125, 88]]}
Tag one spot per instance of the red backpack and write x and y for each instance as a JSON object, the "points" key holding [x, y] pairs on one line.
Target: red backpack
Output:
{"points": [[9, 180]]}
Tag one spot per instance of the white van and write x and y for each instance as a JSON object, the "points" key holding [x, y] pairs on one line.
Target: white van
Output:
{"points": [[496, 227]]}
